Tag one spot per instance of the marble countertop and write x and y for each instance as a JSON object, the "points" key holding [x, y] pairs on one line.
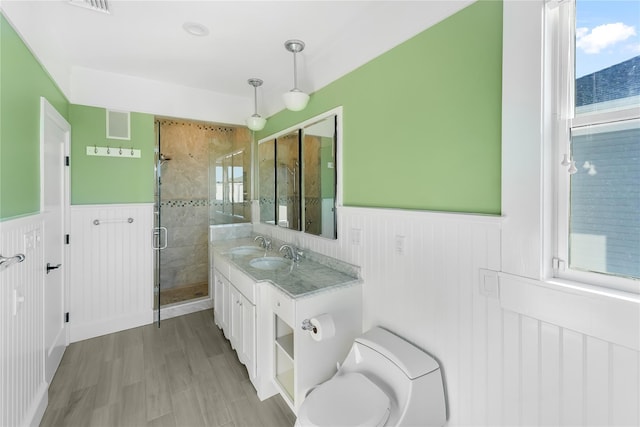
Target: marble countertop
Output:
{"points": [[301, 279]]}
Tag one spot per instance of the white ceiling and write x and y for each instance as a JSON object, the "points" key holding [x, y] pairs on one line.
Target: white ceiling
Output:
{"points": [[145, 40]]}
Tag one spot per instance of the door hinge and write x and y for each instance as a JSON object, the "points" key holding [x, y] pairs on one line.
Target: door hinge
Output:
{"points": [[66, 239], [67, 161], [66, 317]]}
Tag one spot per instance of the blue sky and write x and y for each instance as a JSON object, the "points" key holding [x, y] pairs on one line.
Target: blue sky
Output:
{"points": [[607, 33]]}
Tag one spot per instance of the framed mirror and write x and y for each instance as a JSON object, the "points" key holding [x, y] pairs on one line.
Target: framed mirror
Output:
{"points": [[319, 178], [298, 177]]}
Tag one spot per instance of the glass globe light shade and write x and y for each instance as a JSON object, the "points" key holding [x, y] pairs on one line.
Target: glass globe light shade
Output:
{"points": [[295, 100], [256, 122]]}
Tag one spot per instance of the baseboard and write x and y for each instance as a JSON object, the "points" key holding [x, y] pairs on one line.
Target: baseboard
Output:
{"points": [[183, 308], [35, 414]]}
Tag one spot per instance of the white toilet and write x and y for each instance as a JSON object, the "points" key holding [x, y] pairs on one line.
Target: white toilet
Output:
{"points": [[384, 381]]}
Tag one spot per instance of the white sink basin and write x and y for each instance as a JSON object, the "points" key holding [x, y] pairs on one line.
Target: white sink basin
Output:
{"points": [[247, 250], [269, 263]]}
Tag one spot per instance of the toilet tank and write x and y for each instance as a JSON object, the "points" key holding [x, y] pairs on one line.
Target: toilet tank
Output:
{"points": [[410, 377]]}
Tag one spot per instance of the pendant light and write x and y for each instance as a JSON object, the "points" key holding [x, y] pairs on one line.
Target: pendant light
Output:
{"points": [[295, 99], [255, 122]]}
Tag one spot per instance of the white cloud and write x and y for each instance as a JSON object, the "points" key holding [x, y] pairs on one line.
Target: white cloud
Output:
{"points": [[602, 36], [581, 32]]}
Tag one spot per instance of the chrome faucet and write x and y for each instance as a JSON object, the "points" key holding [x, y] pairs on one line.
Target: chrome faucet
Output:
{"points": [[291, 252], [265, 242]]}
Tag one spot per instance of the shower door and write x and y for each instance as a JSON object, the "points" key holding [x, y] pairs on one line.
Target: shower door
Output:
{"points": [[159, 231]]}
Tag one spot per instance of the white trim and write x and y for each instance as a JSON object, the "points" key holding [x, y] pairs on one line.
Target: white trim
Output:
{"points": [[38, 407], [609, 315], [627, 123], [458, 216], [181, 309], [49, 111], [522, 135], [111, 205]]}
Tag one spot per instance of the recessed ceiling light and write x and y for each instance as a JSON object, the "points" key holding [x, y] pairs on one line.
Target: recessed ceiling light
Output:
{"points": [[195, 29]]}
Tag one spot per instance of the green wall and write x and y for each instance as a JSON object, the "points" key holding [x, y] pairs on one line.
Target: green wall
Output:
{"points": [[98, 180], [422, 122], [421, 125], [22, 82], [93, 179]]}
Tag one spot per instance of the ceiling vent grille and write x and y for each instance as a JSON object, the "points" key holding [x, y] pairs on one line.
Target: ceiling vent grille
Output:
{"points": [[97, 5]]}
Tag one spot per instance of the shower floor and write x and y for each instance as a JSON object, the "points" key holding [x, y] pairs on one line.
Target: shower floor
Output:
{"points": [[184, 293]]}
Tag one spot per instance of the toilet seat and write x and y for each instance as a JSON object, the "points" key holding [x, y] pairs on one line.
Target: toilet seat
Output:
{"points": [[349, 400]]}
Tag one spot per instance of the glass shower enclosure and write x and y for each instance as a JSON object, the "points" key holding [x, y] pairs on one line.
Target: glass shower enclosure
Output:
{"points": [[203, 177]]}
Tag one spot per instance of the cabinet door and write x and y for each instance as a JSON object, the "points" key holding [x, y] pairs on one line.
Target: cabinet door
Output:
{"points": [[236, 320], [249, 336], [226, 307], [218, 297]]}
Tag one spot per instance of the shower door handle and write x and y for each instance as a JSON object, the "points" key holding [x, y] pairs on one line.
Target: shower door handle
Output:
{"points": [[157, 233]]}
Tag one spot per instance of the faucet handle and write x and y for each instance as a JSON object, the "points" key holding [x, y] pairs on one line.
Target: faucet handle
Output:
{"points": [[264, 242], [288, 252]]}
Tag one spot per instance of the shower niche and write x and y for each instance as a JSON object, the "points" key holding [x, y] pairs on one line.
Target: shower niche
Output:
{"points": [[298, 176]]}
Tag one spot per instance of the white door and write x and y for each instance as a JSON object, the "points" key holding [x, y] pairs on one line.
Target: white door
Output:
{"points": [[55, 136]]}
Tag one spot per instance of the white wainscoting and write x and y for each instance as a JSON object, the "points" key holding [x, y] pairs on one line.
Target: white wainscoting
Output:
{"points": [[501, 367], [23, 389], [111, 269]]}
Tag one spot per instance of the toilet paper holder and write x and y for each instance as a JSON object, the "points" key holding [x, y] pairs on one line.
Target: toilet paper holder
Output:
{"points": [[308, 326]]}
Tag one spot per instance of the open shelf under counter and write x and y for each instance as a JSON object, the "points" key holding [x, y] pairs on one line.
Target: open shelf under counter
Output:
{"points": [[285, 343], [286, 380]]}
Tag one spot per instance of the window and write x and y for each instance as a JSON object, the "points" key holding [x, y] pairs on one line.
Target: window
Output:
{"points": [[598, 239], [229, 191]]}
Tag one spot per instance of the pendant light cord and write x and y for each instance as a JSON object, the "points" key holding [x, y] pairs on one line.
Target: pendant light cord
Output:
{"points": [[255, 100], [295, 72]]}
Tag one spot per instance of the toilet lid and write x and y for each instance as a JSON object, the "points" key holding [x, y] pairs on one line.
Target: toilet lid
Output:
{"points": [[346, 400]]}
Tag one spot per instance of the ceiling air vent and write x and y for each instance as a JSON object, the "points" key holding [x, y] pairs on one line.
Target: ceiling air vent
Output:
{"points": [[97, 5]]}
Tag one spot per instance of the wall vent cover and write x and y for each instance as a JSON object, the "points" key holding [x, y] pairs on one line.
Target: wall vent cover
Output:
{"points": [[97, 5], [118, 125]]}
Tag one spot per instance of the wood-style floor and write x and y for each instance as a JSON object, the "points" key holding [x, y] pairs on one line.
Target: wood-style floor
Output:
{"points": [[181, 374]]}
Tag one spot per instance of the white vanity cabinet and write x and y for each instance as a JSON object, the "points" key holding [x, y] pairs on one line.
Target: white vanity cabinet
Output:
{"points": [[261, 314], [300, 362], [235, 313]]}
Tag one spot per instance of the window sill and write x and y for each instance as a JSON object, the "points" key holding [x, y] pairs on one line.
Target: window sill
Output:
{"points": [[606, 314]]}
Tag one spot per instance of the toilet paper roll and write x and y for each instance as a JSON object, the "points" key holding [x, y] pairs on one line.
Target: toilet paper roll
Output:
{"points": [[323, 327]]}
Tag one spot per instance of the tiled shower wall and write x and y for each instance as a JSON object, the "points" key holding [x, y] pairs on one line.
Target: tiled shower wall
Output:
{"points": [[184, 261]]}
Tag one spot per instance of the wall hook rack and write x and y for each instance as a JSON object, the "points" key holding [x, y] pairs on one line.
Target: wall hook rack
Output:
{"points": [[124, 152]]}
